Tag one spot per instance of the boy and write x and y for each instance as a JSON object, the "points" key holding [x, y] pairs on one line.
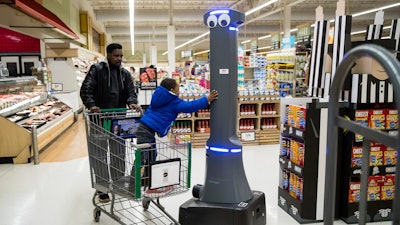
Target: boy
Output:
{"points": [[164, 107]]}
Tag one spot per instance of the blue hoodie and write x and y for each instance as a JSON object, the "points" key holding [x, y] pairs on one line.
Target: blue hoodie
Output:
{"points": [[165, 107]]}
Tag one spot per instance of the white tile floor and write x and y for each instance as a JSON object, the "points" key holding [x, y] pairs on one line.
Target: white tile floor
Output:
{"points": [[60, 193]]}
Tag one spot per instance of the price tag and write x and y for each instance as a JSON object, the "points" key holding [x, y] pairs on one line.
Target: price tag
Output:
{"points": [[248, 136], [299, 133]]}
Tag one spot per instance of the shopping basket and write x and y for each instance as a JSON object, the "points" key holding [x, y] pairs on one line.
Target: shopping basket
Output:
{"points": [[116, 161]]}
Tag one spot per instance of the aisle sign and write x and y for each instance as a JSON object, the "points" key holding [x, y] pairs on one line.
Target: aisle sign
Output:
{"points": [[288, 42], [275, 37], [275, 41], [254, 47], [303, 30]]}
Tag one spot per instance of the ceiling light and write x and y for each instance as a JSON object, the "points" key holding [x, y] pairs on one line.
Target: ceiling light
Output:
{"points": [[246, 41], [260, 7], [246, 14], [264, 37], [190, 41], [376, 9], [202, 52], [365, 31], [132, 23]]}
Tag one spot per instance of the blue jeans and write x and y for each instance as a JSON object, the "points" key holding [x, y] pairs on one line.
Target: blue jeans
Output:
{"points": [[144, 134]]}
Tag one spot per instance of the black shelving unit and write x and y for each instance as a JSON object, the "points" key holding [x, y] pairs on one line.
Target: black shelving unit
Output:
{"points": [[304, 210], [379, 210]]}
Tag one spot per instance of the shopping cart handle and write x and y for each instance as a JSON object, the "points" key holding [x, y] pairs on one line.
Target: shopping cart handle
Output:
{"points": [[113, 110], [144, 145]]}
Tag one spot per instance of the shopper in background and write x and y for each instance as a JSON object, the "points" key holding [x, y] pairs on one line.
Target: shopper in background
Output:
{"points": [[164, 108], [108, 85], [135, 78]]}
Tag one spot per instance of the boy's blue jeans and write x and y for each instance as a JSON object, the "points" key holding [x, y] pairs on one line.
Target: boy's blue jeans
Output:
{"points": [[144, 134]]}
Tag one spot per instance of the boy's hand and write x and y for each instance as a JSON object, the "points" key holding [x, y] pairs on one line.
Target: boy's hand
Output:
{"points": [[212, 96], [136, 107]]}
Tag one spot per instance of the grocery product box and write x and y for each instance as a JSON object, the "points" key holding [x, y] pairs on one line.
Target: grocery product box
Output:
{"points": [[356, 156], [391, 119], [354, 192], [387, 188], [361, 117], [376, 155], [374, 187], [377, 119], [389, 156]]}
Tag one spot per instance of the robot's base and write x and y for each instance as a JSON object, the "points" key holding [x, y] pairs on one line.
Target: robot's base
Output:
{"points": [[252, 212]]}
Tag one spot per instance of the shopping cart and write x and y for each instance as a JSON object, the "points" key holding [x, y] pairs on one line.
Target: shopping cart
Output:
{"points": [[116, 161]]}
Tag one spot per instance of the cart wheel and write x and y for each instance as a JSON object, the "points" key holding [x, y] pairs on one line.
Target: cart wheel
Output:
{"points": [[146, 203], [96, 214]]}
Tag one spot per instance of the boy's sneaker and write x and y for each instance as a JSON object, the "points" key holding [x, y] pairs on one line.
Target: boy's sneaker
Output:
{"points": [[154, 193], [104, 198]]}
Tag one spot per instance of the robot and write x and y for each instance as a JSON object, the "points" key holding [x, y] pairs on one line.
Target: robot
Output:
{"points": [[226, 197]]}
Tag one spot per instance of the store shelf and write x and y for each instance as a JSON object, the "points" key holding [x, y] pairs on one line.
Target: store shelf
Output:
{"points": [[253, 136], [300, 192]]}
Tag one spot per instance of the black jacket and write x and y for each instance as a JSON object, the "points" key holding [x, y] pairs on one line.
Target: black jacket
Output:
{"points": [[95, 90]]}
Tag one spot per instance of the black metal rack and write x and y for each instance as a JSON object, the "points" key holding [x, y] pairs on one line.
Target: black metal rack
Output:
{"points": [[335, 121]]}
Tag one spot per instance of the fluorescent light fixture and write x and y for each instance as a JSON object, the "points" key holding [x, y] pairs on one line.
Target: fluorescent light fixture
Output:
{"points": [[246, 41], [266, 47], [358, 32], [365, 31], [217, 12], [190, 41], [264, 37], [132, 23], [376, 9], [260, 7], [202, 52]]}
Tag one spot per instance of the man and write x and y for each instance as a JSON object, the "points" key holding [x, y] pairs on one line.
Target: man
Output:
{"points": [[108, 85]]}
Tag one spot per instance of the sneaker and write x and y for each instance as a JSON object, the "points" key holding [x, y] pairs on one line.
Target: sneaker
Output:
{"points": [[104, 198], [153, 193]]}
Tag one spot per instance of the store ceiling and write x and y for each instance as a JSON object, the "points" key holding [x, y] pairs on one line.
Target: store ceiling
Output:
{"points": [[152, 18]]}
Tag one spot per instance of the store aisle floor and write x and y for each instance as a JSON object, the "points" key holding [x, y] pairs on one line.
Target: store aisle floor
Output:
{"points": [[59, 193]]}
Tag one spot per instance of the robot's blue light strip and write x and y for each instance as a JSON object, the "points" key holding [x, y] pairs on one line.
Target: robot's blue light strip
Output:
{"points": [[233, 150], [233, 28], [222, 11], [236, 150]]}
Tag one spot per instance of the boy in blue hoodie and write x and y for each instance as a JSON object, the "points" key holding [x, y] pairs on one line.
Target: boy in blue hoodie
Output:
{"points": [[163, 110]]}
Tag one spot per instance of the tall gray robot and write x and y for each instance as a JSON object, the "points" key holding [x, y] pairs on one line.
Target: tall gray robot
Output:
{"points": [[226, 197]]}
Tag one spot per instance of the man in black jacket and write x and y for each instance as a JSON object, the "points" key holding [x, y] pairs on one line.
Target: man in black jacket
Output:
{"points": [[108, 85]]}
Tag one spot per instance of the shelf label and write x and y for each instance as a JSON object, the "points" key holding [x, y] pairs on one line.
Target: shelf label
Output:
{"points": [[223, 71], [299, 133], [248, 136], [289, 165], [297, 169], [282, 161], [294, 210], [391, 169], [290, 130], [282, 200]]}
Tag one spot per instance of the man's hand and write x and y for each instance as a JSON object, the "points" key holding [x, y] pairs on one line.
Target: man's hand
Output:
{"points": [[94, 109], [136, 107]]}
